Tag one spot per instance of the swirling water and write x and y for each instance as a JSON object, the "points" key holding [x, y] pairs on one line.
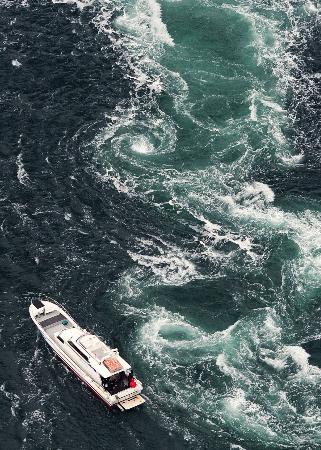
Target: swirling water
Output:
{"points": [[160, 165]]}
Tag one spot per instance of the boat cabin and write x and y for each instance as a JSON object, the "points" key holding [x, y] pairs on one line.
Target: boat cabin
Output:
{"points": [[115, 373]]}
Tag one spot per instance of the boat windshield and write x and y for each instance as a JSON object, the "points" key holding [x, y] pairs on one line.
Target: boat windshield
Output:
{"points": [[116, 383]]}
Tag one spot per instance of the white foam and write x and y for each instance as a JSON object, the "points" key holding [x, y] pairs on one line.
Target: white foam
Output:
{"points": [[226, 368], [277, 364], [296, 360], [35, 417], [292, 160], [248, 415], [218, 234], [272, 327], [253, 108], [257, 97], [22, 175], [122, 186], [312, 7], [167, 262], [142, 145], [16, 63], [256, 193], [80, 4], [144, 21], [273, 105], [298, 354], [160, 331], [20, 210], [14, 399], [253, 206]]}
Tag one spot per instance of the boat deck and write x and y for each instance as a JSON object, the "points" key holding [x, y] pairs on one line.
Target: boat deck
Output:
{"points": [[54, 322]]}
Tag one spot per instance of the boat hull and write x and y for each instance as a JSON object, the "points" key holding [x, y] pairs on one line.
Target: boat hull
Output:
{"points": [[110, 407], [62, 358], [124, 400]]}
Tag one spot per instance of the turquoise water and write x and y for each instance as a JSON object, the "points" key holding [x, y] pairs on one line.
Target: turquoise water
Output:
{"points": [[220, 312], [163, 184]]}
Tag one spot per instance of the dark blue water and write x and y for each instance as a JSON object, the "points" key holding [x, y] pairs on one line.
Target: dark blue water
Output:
{"points": [[160, 177]]}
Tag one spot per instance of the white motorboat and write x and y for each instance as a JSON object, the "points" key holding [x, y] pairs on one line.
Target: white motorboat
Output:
{"points": [[97, 365]]}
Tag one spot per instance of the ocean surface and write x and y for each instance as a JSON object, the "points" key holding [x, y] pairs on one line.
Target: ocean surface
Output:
{"points": [[160, 176]]}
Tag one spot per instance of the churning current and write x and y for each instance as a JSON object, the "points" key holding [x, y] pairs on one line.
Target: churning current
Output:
{"points": [[160, 177]]}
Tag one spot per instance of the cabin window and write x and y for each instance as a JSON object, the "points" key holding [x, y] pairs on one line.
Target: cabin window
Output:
{"points": [[78, 351], [117, 383], [60, 339]]}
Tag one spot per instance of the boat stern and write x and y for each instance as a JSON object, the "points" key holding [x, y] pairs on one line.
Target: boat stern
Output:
{"points": [[131, 403], [130, 398]]}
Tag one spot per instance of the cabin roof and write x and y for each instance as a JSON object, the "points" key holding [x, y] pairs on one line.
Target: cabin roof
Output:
{"points": [[105, 359], [94, 346], [71, 334]]}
